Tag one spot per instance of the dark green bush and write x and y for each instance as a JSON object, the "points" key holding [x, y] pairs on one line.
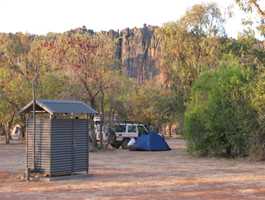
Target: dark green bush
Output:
{"points": [[257, 150], [219, 118]]}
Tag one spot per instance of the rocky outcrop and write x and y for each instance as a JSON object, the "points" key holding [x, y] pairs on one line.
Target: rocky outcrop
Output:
{"points": [[137, 51]]}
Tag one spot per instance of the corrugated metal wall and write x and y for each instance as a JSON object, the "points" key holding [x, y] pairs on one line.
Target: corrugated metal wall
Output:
{"points": [[42, 145], [61, 146], [80, 145]]}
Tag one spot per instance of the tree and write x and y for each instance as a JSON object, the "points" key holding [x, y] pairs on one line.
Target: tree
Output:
{"points": [[220, 119], [203, 20], [249, 5], [11, 99], [151, 104], [14, 48], [189, 47], [22, 61], [87, 60], [257, 150], [247, 50]]}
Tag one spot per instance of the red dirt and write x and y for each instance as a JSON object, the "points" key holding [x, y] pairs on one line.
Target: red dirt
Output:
{"points": [[122, 174]]}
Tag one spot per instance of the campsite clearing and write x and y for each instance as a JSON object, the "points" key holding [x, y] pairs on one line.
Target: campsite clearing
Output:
{"points": [[133, 175]]}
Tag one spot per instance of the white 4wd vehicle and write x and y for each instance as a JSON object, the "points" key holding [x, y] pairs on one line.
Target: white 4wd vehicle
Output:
{"points": [[121, 134]]}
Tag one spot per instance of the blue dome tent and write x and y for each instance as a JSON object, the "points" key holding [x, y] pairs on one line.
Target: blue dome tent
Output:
{"points": [[151, 142]]}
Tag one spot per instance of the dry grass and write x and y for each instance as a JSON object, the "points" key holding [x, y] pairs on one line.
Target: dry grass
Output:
{"points": [[129, 175]]}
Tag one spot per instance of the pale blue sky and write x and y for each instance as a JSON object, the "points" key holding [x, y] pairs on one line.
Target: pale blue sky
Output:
{"points": [[42, 16]]}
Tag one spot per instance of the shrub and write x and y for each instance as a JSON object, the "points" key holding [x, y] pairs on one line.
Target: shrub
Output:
{"points": [[257, 150], [219, 118]]}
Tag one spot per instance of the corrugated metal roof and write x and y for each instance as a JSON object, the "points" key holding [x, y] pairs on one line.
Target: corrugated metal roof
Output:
{"points": [[61, 106]]}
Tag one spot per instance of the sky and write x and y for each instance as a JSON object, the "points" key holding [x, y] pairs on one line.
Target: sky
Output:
{"points": [[43, 16]]}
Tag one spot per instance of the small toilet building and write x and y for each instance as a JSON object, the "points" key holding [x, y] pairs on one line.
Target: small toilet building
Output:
{"points": [[57, 137]]}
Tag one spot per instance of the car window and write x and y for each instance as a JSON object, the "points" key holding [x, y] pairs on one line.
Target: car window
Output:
{"points": [[131, 128], [97, 122], [141, 130], [120, 128]]}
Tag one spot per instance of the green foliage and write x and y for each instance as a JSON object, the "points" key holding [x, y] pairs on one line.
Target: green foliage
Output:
{"points": [[257, 150], [219, 119], [254, 7], [81, 64], [251, 5], [204, 19], [51, 86], [190, 46], [246, 50]]}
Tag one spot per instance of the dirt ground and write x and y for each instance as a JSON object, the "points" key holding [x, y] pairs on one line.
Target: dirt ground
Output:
{"points": [[122, 174]]}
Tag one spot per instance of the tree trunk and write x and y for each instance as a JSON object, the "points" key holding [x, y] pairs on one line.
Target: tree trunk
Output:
{"points": [[23, 129], [170, 129], [7, 133], [7, 128], [180, 124], [23, 133], [110, 126], [92, 102], [102, 118], [93, 135], [7, 139]]}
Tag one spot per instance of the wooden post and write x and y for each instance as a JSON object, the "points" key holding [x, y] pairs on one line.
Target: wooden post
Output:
{"points": [[88, 124], [27, 172], [34, 121]]}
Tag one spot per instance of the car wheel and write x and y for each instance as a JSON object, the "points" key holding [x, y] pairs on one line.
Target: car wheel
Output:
{"points": [[112, 137], [116, 144], [125, 142]]}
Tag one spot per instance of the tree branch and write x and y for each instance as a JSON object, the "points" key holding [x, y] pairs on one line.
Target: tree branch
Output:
{"points": [[257, 6]]}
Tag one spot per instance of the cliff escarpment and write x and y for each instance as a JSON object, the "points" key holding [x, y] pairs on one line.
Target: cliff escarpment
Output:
{"points": [[137, 50]]}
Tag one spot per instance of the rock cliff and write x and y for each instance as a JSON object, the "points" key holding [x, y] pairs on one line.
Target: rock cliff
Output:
{"points": [[137, 50]]}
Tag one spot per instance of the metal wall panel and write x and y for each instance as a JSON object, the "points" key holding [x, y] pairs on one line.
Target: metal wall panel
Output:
{"points": [[42, 145], [69, 146], [61, 146], [80, 145]]}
